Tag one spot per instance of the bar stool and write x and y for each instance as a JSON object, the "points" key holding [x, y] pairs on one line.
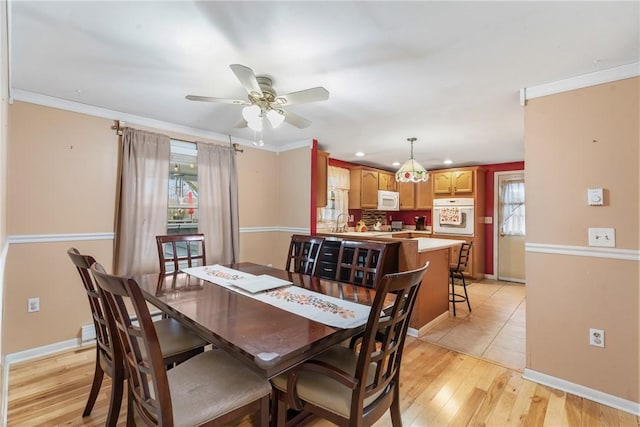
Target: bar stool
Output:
{"points": [[456, 271]]}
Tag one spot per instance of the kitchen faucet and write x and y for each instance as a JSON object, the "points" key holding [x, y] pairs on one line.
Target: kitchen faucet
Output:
{"points": [[344, 227]]}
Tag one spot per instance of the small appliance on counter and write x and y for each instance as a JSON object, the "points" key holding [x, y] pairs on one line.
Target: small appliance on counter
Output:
{"points": [[396, 225], [419, 221]]}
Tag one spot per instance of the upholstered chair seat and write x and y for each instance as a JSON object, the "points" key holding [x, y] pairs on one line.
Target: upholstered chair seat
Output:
{"points": [[196, 402]]}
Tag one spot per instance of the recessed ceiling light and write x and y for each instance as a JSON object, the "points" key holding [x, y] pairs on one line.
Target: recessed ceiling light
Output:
{"points": [[359, 154], [395, 164], [447, 162]]}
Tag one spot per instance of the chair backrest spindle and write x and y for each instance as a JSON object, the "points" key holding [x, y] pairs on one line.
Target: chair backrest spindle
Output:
{"points": [[303, 254], [181, 250]]}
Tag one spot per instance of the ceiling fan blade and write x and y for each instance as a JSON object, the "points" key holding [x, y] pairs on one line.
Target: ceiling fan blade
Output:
{"points": [[247, 78], [303, 96], [296, 120], [219, 100]]}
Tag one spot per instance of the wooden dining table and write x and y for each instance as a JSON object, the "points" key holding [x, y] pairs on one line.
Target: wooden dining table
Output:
{"points": [[267, 338]]}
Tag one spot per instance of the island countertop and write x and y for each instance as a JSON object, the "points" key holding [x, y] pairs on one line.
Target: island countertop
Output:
{"points": [[424, 243]]}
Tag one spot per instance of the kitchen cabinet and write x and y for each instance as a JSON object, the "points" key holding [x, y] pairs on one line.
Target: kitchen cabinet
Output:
{"points": [[387, 181], [452, 182], [322, 166], [424, 195], [407, 196], [415, 196], [363, 193], [328, 259]]}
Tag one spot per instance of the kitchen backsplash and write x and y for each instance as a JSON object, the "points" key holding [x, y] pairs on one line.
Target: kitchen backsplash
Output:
{"points": [[385, 217]]}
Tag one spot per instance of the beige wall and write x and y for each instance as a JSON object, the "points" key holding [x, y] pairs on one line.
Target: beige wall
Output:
{"points": [[574, 141], [61, 179]]}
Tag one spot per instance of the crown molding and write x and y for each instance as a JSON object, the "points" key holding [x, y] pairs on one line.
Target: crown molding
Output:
{"points": [[579, 82], [92, 110]]}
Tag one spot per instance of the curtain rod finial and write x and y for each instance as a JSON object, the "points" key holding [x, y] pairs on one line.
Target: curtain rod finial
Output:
{"points": [[118, 126]]}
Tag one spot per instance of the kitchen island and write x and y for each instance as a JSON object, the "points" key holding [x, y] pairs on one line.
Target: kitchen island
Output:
{"points": [[414, 251]]}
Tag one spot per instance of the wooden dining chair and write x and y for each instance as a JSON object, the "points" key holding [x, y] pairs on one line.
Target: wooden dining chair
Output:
{"points": [[177, 343], [303, 254], [456, 271], [212, 388], [360, 262], [176, 251], [355, 385]]}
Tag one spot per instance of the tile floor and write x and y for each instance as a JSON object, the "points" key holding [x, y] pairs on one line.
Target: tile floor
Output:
{"points": [[494, 330]]}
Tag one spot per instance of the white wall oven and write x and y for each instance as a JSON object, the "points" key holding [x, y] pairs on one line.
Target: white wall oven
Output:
{"points": [[453, 216]]}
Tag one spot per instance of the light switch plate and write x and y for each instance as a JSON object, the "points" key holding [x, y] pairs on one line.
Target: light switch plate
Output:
{"points": [[595, 197], [604, 237]]}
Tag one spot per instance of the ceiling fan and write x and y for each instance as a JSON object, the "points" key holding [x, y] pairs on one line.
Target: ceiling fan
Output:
{"points": [[264, 101]]}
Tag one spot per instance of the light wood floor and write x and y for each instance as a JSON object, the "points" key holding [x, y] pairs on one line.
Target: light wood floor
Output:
{"points": [[439, 387]]}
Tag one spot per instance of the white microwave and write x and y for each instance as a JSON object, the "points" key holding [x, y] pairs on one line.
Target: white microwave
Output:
{"points": [[388, 200]]}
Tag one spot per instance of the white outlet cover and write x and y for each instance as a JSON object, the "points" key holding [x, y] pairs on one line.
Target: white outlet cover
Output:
{"points": [[596, 337], [603, 237]]}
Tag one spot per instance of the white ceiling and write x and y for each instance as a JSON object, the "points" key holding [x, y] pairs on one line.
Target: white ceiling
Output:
{"points": [[448, 73]]}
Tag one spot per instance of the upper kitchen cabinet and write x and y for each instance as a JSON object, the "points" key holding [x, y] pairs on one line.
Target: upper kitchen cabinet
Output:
{"points": [[452, 182], [386, 181], [424, 195], [322, 165], [364, 188], [407, 196], [415, 196]]}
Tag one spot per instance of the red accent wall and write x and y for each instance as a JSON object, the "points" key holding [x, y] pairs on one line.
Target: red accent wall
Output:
{"points": [[488, 206], [312, 190]]}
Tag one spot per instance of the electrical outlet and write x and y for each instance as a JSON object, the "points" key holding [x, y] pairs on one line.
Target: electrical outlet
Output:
{"points": [[34, 305], [596, 337], [605, 237]]}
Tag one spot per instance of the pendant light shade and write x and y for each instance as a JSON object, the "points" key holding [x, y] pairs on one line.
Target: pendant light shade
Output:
{"points": [[412, 171]]}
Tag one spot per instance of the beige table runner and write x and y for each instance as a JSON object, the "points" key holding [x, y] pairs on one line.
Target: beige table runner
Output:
{"points": [[325, 309]]}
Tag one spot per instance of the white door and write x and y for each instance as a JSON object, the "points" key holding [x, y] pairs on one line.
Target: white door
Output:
{"points": [[510, 226]]}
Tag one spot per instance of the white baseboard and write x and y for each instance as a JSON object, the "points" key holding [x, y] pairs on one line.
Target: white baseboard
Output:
{"points": [[45, 350], [582, 391], [413, 332]]}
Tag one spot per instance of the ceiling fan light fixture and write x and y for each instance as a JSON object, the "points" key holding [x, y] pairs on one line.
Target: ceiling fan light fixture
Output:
{"points": [[412, 171], [251, 113], [275, 118]]}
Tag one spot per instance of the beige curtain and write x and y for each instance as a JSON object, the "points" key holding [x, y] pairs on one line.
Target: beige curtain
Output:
{"points": [[218, 202], [141, 210]]}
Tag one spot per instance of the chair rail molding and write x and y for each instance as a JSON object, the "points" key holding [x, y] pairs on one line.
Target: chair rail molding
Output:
{"points": [[74, 237], [584, 251]]}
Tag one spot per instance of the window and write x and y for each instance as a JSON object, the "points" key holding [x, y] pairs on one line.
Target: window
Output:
{"points": [[182, 217], [513, 207], [338, 183]]}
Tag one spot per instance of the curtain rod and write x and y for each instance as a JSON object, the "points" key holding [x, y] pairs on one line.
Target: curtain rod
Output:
{"points": [[119, 126]]}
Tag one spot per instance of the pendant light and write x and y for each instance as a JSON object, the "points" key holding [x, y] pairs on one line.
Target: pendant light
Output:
{"points": [[412, 171]]}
